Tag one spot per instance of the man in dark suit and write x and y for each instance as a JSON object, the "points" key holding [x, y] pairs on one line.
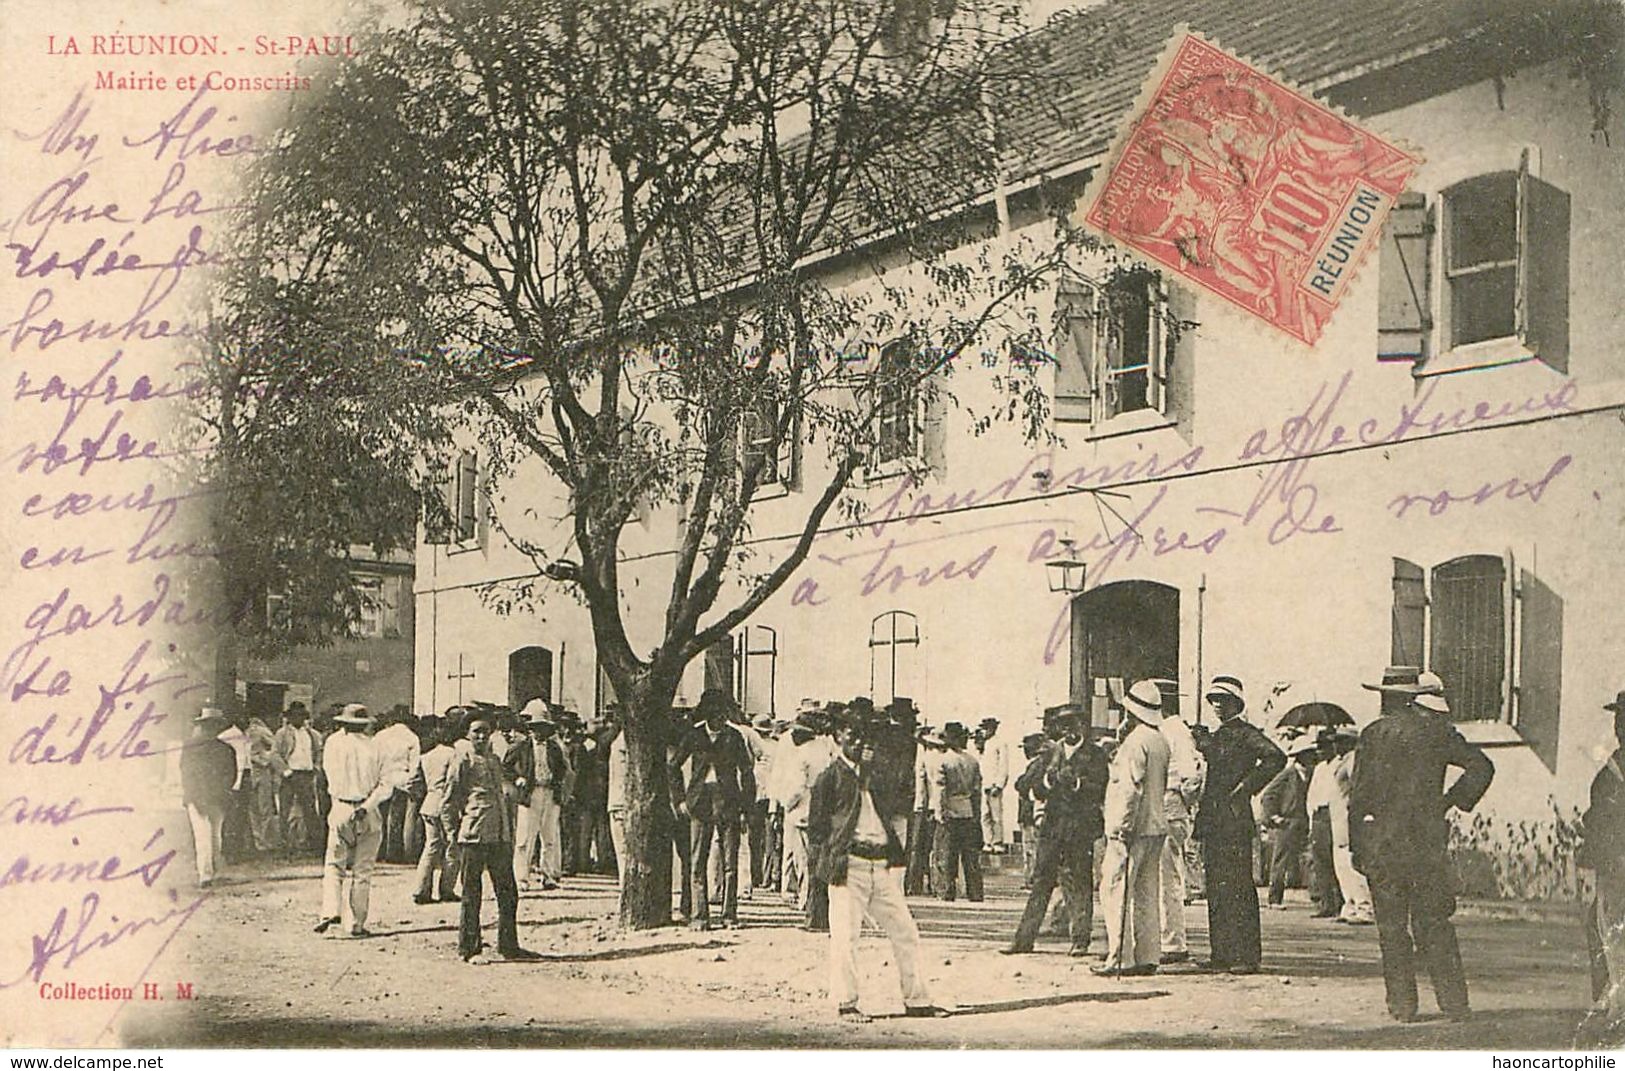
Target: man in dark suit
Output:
{"points": [[476, 811], [855, 826], [1399, 834], [1070, 777], [1602, 850], [1285, 805], [1241, 760], [721, 783]]}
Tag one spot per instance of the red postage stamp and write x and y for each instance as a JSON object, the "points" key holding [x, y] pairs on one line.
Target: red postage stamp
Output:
{"points": [[1255, 191]]}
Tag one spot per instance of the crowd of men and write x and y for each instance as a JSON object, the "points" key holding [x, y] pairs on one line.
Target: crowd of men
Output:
{"points": [[847, 810]]}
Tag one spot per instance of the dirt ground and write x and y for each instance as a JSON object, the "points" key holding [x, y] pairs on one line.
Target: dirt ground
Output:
{"points": [[263, 979]]}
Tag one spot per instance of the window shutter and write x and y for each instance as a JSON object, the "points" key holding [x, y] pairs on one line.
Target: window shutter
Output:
{"points": [[1075, 320], [389, 600], [1157, 340], [790, 455], [1410, 614], [468, 469], [933, 430], [1540, 666], [1403, 274], [1543, 269], [439, 499]]}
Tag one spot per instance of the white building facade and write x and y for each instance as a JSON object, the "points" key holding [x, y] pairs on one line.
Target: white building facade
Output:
{"points": [[1440, 482]]}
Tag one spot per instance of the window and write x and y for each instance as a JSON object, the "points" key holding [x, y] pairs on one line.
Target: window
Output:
{"points": [[370, 591], [897, 406], [1493, 633], [1113, 348], [451, 505], [756, 653], [1467, 648], [894, 643], [1481, 257], [758, 428], [466, 496], [1500, 291]]}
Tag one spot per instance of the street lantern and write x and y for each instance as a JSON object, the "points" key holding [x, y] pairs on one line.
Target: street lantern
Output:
{"points": [[1066, 572]]}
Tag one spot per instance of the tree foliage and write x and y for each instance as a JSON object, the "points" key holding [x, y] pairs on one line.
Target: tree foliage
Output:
{"points": [[647, 247]]}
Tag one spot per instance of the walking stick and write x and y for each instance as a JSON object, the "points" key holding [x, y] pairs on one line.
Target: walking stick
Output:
{"points": [[1122, 922]]}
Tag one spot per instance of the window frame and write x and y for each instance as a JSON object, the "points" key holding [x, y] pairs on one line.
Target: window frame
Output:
{"points": [[1506, 717], [1450, 204], [891, 642], [1103, 324], [370, 595], [465, 485], [907, 411], [1542, 228], [753, 442]]}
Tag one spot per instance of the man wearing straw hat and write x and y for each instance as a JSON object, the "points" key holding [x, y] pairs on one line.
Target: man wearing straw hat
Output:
{"points": [[1602, 851], [208, 770], [1399, 833], [356, 780], [1241, 760], [1136, 826]]}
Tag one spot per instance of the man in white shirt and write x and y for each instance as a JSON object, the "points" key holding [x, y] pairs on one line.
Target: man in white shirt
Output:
{"points": [[1323, 889], [994, 762], [1356, 890], [1184, 791], [300, 749], [922, 830], [430, 784], [265, 781], [1136, 826], [358, 785], [399, 750], [796, 769]]}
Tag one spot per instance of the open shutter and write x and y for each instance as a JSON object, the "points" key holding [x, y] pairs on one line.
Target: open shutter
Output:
{"points": [[439, 500], [1410, 614], [790, 455], [1075, 319], [933, 427], [1403, 273], [1540, 666], [468, 471], [719, 666], [1157, 335], [1543, 269]]}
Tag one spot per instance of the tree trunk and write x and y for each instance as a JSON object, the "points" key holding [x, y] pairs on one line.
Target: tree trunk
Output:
{"points": [[646, 875]]}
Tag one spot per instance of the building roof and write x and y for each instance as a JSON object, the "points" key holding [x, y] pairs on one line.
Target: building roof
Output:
{"points": [[1091, 63]]}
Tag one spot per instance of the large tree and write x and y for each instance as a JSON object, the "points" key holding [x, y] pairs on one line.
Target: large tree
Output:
{"points": [[611, 232]]}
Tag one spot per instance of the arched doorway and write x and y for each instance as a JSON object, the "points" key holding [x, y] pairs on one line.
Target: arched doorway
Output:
{"points": [[1122, 632], [530, 676]]}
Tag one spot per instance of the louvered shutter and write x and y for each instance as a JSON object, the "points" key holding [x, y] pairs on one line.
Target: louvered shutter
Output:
{"points": [[1075, 375], [1540, 666], [1409, 615], [1404, 318], [1543, 269]]}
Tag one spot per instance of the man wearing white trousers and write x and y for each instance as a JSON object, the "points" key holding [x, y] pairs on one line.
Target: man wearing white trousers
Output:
{"points": [[208, 770], [1185, 771], [1356, 890], [856, 822], [358, 786], [1136, 827]]}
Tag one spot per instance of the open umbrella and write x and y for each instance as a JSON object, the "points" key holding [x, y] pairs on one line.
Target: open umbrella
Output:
{"points": [[1306, 715]]}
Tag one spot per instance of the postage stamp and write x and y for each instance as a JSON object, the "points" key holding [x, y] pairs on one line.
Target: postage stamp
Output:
{"points": [[1247, 187]]}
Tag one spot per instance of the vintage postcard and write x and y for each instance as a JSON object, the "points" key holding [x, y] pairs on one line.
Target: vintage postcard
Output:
{"points": [[699, 524]]}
